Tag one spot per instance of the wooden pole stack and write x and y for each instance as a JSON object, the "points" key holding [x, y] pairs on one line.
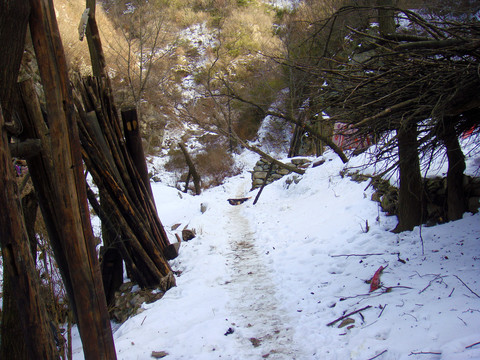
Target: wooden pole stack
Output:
{"points": [[141, 238]]}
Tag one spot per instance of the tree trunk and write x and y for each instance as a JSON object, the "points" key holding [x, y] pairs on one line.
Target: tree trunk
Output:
{"points": [[192, 169], [410, 193], [386, 20], [70, 190], [456, 202], [19, 268]]}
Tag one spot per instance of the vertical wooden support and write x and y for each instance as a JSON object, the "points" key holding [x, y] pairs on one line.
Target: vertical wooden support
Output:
{"points": [[94, 42], [133, 140], [70, 190], [19, 263], [42, 172], [13, 27]]}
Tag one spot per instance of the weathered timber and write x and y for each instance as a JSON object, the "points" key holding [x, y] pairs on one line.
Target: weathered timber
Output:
{"points": [[41, 169], [143, 239], [111, 263], [172, 250], [70, 191], [133, 141], [26, 148], [13, 28], [94, 43], [18, 262], [192, 169]]}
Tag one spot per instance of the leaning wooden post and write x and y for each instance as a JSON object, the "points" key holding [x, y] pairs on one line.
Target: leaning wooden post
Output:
{"points": [[19, 263], [133, 141], [70, 190]]}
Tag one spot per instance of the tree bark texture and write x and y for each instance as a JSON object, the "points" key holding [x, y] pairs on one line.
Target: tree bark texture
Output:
{"points": [[386, 19], [133, 140], [111, 263], [42, 173], [71, 207], [13, 28], [94, 42], [410, 192], [22, 277]]}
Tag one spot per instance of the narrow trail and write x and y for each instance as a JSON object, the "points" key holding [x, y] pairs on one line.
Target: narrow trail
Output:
{"points": [[258, 316]]}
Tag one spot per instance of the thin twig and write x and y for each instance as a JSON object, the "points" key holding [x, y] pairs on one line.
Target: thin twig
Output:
{"points": [[376, 356], [348, 255], [425, 353], [421, 239], [473, 292], [470, 346], [431, 282], [381, 312], [347, 315]]}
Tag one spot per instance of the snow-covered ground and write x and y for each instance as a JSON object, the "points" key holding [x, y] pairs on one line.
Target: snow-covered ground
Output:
{"points": [[265, 280]]}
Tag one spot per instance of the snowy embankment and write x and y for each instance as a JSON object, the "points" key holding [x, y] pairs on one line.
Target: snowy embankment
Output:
{"points": [[264, 280]]}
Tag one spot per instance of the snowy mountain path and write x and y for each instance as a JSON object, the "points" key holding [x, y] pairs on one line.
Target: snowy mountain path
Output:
{"points": [[263, 281], [255, 308]]}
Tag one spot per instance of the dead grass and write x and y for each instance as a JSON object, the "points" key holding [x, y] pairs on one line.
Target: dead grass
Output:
{"points": [[68, 17]]}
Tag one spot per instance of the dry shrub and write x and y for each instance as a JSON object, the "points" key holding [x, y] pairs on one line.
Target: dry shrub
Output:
{"points": [[249, 30], [76, 51], [176, 162], [214, 165]]}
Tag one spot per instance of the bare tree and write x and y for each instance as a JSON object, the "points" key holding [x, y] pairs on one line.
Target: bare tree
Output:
{"points": [[418, 82], [145, 53]]}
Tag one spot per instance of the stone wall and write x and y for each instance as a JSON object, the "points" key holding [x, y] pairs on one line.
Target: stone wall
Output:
{"points": [[262, 166], [436, 195]]}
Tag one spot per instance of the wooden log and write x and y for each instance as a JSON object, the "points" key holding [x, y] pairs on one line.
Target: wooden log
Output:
{"points": [[41, 169], [172, 250], [13, 28], [133, 141], [70, 193], [111, 263], [147, 265], [94, 43], [129, 193], [18, 262], [25, 149]]}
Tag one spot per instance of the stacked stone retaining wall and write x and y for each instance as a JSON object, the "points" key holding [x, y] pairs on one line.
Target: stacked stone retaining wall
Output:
{"points": [[260, 171]]}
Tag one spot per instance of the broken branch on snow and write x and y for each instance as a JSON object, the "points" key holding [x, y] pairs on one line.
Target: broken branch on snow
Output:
{"points": [[347, 315]]}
